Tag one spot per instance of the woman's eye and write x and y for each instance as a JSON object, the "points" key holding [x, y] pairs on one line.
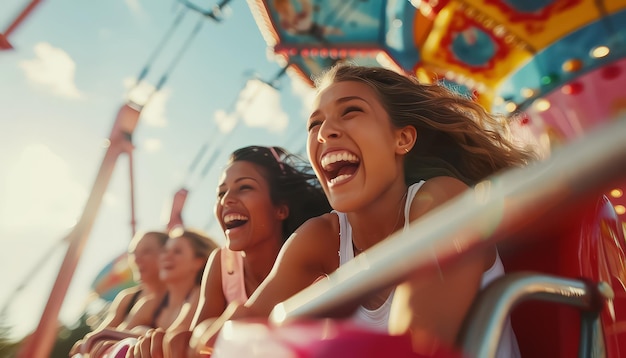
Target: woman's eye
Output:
{"points": [[245, 187], [351, 109], [314, 124], [221, 194]]}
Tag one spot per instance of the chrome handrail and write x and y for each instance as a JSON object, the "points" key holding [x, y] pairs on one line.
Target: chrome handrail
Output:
{"points": [[487, 318]]}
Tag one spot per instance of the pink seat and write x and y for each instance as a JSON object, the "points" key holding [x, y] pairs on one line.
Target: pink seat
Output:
{"points": [[311, 339]]}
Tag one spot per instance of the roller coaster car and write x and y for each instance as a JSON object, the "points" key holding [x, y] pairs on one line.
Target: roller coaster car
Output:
{"points": [[563, 249]]}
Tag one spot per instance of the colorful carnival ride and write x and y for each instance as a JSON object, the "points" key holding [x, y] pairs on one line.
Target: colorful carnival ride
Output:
{"points": [[556, 69], [561, 242]]}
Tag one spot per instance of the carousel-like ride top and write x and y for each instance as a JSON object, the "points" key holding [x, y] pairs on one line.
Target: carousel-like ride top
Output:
{"points": [[556, 69]]}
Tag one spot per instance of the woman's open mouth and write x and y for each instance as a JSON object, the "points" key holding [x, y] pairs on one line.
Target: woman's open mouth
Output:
{"points": [[234, 220], [339, 166]]}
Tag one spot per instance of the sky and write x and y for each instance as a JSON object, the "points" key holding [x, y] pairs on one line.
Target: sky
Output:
{"points": [[73, 65]]}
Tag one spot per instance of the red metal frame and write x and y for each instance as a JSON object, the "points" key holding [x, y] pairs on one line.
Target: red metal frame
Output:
{"points": [[4, 37], [41, 341]]}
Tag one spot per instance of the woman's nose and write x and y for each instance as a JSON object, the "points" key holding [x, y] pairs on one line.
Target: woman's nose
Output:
{"points": [[328, 129], [228, 197]]}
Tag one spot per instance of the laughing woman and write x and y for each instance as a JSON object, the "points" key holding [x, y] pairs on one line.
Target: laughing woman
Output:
{"points": [[263, 195], [181, 265], [143, 255]]}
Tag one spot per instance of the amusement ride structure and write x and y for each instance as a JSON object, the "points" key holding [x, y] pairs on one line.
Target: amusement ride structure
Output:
{"points": [[556, 69]]}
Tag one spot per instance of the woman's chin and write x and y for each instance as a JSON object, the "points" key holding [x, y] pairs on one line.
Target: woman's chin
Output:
{"points": [[235, 243], [169, 277], [341, 203]]}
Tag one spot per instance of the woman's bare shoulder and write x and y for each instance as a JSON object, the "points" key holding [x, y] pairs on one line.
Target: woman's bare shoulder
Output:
{"points": [[444, 186], [126, 294], [325, 223], [435, 192], [315, 243], [322, 230], [123, 300], [144, 308]]}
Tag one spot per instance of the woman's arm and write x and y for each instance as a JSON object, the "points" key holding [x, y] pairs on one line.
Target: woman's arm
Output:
{"points": [[150, 344], [187, 311], [106, 334], [141, 314], [212, 302], [433, 307], [119, 308], [115, 316], [309, 253]]}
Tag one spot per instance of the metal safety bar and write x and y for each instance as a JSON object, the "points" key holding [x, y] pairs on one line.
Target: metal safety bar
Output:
{"points": [[486, 320]]}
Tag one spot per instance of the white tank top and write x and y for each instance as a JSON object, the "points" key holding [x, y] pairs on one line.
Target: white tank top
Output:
{"points": [[378, 319]]}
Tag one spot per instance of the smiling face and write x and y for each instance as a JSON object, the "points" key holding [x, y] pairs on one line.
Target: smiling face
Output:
{"points": [[144, 258], [244, 207], [353, 146], [179, 261]]}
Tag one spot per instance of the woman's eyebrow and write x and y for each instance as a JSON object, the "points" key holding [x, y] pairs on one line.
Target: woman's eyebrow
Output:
{"points": [[340, 100], [349, 98], [244, 178], [315, 113], [238, 180]]}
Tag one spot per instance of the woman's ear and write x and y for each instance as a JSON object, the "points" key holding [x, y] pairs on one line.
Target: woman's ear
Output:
{"points": [[282, 211], [405, 139]]}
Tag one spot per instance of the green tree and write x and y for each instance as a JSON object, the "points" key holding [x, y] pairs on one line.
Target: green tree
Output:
{"points": [[8, 346], [67, 336]]}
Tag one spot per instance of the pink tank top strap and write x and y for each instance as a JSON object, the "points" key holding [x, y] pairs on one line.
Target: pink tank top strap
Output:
{"points": [[233, 283]]}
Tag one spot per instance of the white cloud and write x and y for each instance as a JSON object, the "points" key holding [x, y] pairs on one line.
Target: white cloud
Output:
{"points": [[153, 113], [53, 69], [258, 106], [305, 92], [226, 122], [137, 93], [40, 191], [152, 145], [134, 6]]}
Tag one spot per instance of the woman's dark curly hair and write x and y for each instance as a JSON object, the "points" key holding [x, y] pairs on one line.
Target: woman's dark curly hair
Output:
{"points": [[291, 181]]}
